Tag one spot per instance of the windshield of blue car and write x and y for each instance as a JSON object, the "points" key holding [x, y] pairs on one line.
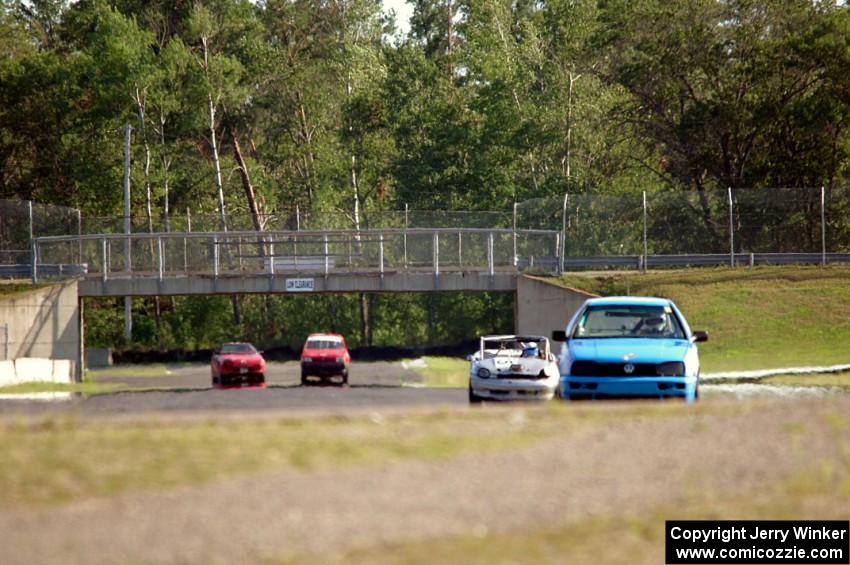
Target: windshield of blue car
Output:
{"points": [[631, 320], [238, 348]]}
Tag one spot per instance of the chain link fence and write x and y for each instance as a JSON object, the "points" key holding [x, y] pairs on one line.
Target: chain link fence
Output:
{"points": [[642, 226], [21, 221], [739, 221]]}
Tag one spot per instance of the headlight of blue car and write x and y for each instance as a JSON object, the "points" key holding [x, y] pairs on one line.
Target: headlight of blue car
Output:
{"points": [[672, 369]]}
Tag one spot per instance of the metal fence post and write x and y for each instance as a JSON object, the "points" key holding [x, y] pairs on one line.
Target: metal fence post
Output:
{"points": [[327, 259], [271, 256], [823, 226], [563, 250], [34, 253], [104, 259], [215, 256], [406, 227], [557, 251], [491, 267], [381, 253], [731, 231], [32, 243], [644, 232], [185, 241], [80, 238], [159, 258], [436, 253], [460, 249], [515, 258]]}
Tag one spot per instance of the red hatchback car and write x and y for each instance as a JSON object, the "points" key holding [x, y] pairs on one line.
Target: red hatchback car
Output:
{"points": [[237, 364], [324, 355]]}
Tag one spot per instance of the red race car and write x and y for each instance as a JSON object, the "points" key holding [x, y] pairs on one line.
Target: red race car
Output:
{"points": [[324, 355], [237, 364]]}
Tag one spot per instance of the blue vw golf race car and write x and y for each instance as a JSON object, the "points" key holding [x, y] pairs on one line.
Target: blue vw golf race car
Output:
{"points": [[628, 347]]}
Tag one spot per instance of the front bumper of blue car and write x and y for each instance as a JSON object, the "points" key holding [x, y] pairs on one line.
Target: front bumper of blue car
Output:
{"points": [[592, 388]]}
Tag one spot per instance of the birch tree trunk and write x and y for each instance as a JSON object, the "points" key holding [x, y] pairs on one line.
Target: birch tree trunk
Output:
{"points": [[246, 181], [166, 165]]}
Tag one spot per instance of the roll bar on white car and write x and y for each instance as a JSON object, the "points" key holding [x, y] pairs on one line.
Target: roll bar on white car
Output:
{"points": [[516, 338]]}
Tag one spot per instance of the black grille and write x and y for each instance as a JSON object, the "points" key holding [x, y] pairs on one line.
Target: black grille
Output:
{"points": [[526, 376], [594, 369]]}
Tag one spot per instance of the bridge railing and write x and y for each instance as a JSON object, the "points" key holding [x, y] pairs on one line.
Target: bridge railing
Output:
{"points": [[233, 253]]}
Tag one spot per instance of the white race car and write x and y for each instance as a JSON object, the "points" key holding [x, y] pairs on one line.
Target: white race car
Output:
{"points": [[512, 367]]}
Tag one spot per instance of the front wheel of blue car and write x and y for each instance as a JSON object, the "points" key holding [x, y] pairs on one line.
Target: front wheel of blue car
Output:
{"points": [[474, 398]]}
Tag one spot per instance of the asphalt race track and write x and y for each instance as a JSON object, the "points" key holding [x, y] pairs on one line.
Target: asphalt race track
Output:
{"points": [[187, 388]]}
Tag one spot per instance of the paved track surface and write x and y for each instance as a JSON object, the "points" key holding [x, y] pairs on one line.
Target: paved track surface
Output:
{"points": [[188, 389]]}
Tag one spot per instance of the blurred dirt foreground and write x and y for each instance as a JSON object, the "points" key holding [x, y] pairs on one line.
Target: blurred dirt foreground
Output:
{"points": [[632, 467]]}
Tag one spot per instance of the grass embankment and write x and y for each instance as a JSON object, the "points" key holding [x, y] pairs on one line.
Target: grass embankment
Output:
{"points": [[757, 318], [444, 372], [92, 381], [827, 380], [9, 289], [55, 460], [123, 371], [82, 388]]}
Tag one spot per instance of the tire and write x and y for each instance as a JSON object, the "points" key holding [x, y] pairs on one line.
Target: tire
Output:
{"points": [[304, 381], [345, 377], [474, 398], [260, 379]]}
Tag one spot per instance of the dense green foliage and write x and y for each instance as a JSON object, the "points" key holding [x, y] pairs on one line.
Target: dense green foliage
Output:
{"points": [[244, 110]]}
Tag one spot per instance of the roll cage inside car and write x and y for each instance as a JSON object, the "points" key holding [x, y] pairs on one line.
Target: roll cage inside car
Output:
{"points": [[512, 345]]}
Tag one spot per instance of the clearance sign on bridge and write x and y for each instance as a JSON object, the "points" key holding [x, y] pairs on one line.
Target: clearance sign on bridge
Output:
{"points": [[300, 285]]}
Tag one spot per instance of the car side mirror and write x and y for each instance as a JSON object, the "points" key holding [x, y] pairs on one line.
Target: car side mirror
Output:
{"points": [[469, 357], [700, 336], [559, 335]]}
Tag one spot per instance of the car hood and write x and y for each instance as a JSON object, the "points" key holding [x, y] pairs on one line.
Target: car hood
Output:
{"points": [[504, 364], [636, 350]]}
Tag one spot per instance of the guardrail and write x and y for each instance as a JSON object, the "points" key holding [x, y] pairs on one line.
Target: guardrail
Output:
{"points": [[222, 254], [437, 250], [643, 262], [42, 270]]}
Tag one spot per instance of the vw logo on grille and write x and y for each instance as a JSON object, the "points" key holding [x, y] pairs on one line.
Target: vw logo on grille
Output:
{"points": [[629, 368]]}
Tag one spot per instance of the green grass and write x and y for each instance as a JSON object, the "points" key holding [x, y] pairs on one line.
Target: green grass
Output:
{"points": [[123, 371], [83, 388], [8, 289], [610, 539], [820, 493], [54, 460], [444, 372], [831, 380], [756, 318]]}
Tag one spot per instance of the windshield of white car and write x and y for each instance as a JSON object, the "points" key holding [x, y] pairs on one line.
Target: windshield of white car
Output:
{"points": [[615, 320], [323, 344], [238, 348]]}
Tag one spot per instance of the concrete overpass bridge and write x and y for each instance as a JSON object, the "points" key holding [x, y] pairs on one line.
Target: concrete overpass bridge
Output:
{"points": [[247, 262]]}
